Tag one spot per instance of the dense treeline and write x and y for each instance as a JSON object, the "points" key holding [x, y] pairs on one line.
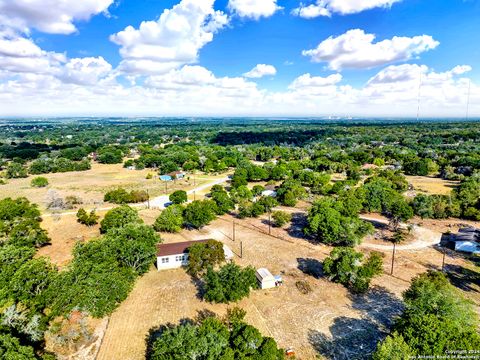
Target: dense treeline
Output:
{"points": [[33, 292], [437, 321]]}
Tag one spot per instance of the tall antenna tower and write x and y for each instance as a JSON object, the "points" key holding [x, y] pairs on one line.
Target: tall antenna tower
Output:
{"points": [[468, 99], [418, 97]]}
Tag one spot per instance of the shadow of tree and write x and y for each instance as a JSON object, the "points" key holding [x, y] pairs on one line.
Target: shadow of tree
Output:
{"points": [[357, 338], [298, 223], [311, 267], [463, 278]]}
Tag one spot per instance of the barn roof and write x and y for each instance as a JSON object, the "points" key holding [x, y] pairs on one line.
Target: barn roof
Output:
{"points": [[176, 248]]}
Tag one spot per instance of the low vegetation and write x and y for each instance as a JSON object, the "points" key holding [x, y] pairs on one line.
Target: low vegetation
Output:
{"points": [[88, 219], [39, 182], [122, 196]]}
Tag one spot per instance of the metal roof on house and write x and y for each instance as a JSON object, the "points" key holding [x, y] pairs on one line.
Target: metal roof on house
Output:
{"points": [[176, 248]]}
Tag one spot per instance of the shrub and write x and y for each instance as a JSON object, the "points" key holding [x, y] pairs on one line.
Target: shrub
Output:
{"points": [[280, 218], [230, 283], [87, 219], [39, 182], [303, 286], [121, 196]]}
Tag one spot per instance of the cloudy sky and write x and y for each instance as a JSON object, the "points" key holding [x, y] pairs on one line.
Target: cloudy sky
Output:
{"points": [[240, 58]]}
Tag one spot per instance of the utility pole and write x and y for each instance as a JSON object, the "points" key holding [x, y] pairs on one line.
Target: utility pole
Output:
{"points": [[393, 258], [269, 223], [194, 196], [443, 260], [241, 249], [233, 231]]}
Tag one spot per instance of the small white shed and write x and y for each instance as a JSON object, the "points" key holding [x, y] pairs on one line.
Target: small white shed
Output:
{"points": [[265, 279]]}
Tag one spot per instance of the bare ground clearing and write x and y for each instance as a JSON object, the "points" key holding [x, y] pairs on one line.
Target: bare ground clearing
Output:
{"points": [[328, 320], [432, 185]]}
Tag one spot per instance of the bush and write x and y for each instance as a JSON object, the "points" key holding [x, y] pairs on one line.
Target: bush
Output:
{"points": [[121, 196], [87, 219], [119, 217], [170, 220], [230, 283], [39, 182], [303, 286], [280, 218], [347, 267], [204, 255], [178, 197]]}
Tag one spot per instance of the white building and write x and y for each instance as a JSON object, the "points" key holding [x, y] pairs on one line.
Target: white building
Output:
{"points": [[265, 279], [175, 255]]}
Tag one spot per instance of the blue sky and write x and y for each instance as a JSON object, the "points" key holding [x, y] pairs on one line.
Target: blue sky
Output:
{"points": [[250, 33]]}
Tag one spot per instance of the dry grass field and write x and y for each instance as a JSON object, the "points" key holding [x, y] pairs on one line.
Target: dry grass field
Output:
{"points": [[91, 185], [431, 185], [326, 321]]}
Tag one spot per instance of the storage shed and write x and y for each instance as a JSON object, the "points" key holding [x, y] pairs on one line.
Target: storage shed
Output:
{"points": [[265, 279]]}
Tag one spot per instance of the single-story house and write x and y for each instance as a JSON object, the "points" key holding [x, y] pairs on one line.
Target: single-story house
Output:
{"points": [[175, 175], [175, 255], [265, 279]]}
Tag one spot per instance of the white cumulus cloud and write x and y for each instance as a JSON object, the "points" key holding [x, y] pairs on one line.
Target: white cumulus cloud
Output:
{"points": [[308, 81], [261, 70], [253, 9], [343, 7], [49, 16], [356, 49], [171, 41]]}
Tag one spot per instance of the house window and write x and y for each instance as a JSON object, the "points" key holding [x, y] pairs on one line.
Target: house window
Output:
{"points": [[165, 260], [180, 258]]}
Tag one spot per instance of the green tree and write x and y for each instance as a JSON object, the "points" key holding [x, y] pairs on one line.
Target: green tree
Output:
{"points": [[347, 267], [204, 255], [230, 283], [170, 220], [178, 197], [119, 217], [16, 170], [135, 246], [393, 348], [198, 213], [11, 349]]}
